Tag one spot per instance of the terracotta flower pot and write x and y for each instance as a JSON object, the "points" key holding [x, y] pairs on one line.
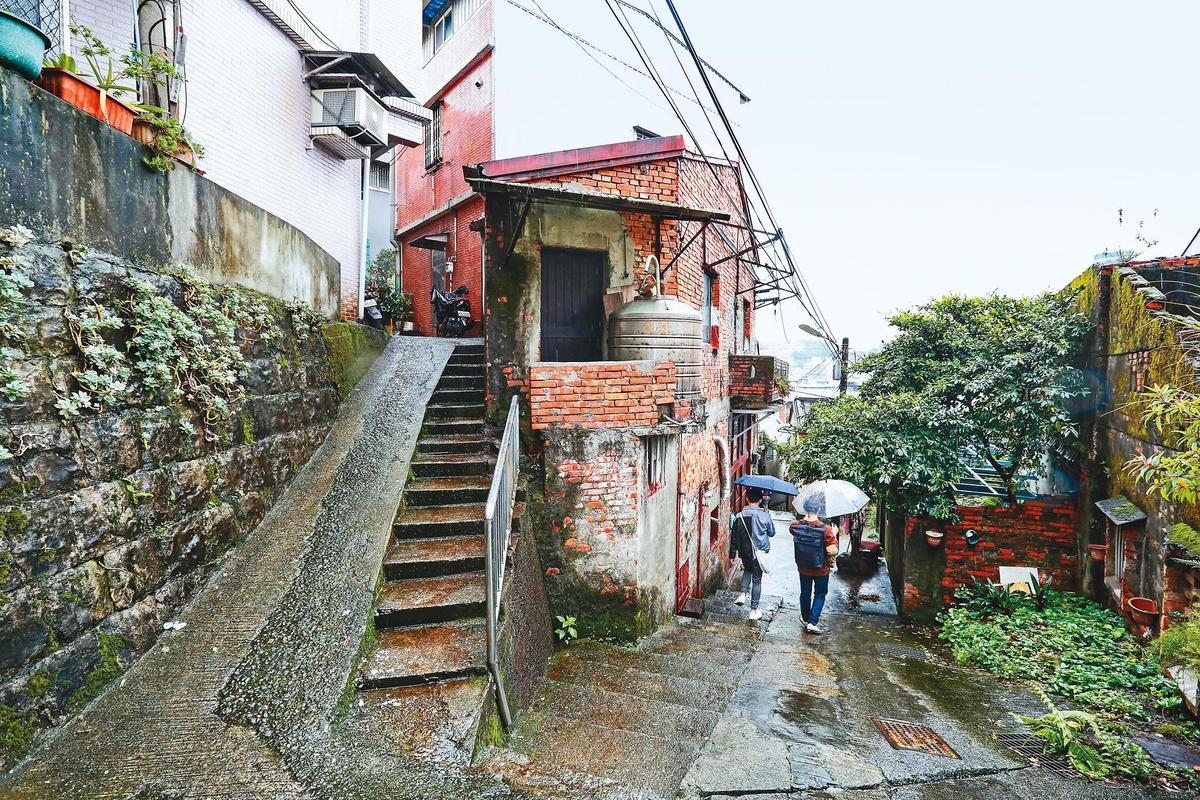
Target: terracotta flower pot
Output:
{"points": [[1143, 610], [1098, 551], [934, 538], [68, 86], [143, 131]]}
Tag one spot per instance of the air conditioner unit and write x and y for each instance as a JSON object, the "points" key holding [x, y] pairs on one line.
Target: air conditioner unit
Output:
{"points": [[355, 111]]}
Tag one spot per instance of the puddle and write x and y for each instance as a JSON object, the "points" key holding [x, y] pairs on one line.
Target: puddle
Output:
{"points": [[813, 663], [815, 715]]}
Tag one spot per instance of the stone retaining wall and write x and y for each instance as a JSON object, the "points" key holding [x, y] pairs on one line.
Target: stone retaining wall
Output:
{"points": [[110, 520]]}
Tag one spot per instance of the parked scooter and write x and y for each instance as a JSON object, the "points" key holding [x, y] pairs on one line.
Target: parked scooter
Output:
{"points": [[452, 311]]}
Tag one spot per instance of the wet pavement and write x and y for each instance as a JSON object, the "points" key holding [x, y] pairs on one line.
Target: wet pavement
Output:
{"points": [[800, 724]]}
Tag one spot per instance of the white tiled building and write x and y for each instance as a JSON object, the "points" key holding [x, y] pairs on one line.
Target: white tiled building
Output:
{"points": [[247, 101]]}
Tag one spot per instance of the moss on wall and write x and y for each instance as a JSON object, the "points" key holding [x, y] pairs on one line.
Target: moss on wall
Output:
{"points": [[17, 731], [108, 668], [350, 350]]}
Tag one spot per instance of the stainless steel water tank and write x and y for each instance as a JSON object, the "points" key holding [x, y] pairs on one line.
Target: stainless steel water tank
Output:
{"points": [[660, 328]]}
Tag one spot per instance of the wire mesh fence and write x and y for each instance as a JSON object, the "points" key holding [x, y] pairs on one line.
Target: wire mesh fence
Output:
{"points": [[43, 14]]}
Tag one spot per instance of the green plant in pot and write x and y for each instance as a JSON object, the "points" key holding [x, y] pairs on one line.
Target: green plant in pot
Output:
{"points": [[109, 80], [169, 140], [21, 46], [395, 305]]}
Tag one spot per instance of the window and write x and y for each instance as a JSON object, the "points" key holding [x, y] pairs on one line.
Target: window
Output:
{"points": [[714, 527], [381, 176], [712, 315], [656, 463], [443, 29], [433, 138]]}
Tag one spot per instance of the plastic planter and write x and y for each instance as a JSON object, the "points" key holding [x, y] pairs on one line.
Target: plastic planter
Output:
{"points": [[934, 538], [21, 46], [1097, 551], [73, 89], [1143, 610]]}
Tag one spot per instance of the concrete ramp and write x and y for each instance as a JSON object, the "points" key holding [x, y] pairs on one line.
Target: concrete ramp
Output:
{"points": [[250, 699]]}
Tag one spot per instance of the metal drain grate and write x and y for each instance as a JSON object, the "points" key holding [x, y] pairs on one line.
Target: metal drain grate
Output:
{"points": [[1030, 747], [911, 736], [899, 651]]}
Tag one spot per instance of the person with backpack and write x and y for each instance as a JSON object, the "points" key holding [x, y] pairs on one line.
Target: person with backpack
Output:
{"points": [[752, 532], [814, 544]]}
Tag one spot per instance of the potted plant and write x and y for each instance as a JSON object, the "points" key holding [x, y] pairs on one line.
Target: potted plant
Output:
{"points": [[171, 143], [60, 78], [1143, 610], [1098, 551], [21, 46], [934, 538], [395, 305]]}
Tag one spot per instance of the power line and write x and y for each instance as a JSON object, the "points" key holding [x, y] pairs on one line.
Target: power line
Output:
{"points": [[585, 43], [818, 316], [742, 96]]}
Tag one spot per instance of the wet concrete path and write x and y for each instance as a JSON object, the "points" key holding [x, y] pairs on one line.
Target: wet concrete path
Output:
{"points": [[244, 701], [800, 723]]}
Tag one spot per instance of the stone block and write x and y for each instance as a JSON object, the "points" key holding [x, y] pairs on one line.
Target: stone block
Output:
{"points": [[110, 446]]}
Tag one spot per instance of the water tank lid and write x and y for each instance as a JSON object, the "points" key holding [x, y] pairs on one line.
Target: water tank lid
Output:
{"points": [[655, 306]]}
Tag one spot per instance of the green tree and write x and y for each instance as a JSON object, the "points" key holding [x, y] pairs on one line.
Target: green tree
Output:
{"points": [[995, 374], [382, 271], [889, 445]]}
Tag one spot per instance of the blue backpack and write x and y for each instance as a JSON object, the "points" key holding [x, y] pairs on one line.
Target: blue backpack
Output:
{"points": [[808, 542]]}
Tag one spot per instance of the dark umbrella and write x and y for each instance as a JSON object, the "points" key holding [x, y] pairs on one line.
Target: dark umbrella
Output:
{"points": [[768, 483]]}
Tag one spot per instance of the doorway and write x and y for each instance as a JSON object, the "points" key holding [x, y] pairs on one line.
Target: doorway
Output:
{"points": [[572, 305]]}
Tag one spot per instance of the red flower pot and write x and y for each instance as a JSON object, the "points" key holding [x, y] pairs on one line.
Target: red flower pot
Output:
{"points": [[1143, 610], [73, 89], [1097, 551], [934, 538]]}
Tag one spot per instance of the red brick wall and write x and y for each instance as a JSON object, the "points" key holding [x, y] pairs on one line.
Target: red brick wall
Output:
{"points": [[1037, 533], [605, 394], [467, 118], [464, 247]]}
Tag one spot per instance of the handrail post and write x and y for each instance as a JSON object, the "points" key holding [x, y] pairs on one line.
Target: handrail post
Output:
{"points": [[497, 526]]}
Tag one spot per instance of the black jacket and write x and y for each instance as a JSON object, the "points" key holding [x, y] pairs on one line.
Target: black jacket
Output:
{"points": [[740, 545]]}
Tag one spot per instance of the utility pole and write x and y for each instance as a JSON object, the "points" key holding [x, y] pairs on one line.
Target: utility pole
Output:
{"points": [[845, 374]]}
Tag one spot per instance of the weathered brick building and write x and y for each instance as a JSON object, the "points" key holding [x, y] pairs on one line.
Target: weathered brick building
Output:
{"points": [[634, 489]]}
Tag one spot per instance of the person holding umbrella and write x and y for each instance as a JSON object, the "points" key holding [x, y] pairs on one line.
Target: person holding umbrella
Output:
{"points": [[815, 544], [752, 532]]}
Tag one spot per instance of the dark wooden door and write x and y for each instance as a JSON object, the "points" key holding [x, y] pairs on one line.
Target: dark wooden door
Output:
{"points": [[572, 305]]}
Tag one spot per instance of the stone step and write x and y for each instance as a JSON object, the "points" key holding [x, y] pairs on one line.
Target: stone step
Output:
{"points": [[609, 709], [466, 360], [714, 650], [456, 443], [427, 558], [420, 601], [646, 685], [458, 396], [475, 371], [463, 381], [474, 348], [657, 663], [639, 761], [438, 465], [465, 410], [447, 491], [448, 427], [426, 654], [427, 522], [435, 722]]}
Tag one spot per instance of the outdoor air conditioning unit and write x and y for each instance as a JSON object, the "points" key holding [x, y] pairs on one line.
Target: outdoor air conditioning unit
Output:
{"points": [[354, 111]]}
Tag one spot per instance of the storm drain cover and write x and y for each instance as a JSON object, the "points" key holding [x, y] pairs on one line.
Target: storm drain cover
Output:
{"points": [[899, 651], [1030, 748], [911, 736]]}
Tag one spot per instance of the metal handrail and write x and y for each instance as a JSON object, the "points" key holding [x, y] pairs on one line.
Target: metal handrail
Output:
{"points": [[497, 528]]}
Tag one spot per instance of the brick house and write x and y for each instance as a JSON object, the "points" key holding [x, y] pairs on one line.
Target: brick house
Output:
{"points": [[439, 217], [633, 459], [253, 69]]}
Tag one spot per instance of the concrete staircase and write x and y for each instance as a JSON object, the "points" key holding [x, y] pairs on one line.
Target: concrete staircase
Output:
{"points": [[614, 722], [427, 676]]}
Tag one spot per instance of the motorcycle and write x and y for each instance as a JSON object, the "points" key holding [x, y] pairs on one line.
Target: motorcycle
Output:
{"points": [[452, 311]]}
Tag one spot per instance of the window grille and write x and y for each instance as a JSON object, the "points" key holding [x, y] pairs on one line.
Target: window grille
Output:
{"points": [[433, 138], [656, 463], [43, 14], [381, 176]]}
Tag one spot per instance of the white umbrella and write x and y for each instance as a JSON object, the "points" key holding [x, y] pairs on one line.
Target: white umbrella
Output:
{"points": [[830, 499]]}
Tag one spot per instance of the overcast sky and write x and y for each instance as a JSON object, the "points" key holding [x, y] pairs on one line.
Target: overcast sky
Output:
{"points": [[908, 148]]}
